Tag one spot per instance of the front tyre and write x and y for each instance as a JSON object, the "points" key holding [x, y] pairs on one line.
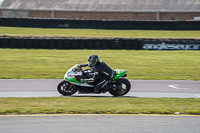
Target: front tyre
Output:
{"points": [[65, 88], [121, 87]]}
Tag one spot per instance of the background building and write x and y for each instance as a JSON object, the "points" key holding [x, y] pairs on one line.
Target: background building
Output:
{"points": [[103, 9]]}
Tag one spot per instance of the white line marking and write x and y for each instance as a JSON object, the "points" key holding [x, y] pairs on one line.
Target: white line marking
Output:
{"points": [[197, 95], [175, 86]]}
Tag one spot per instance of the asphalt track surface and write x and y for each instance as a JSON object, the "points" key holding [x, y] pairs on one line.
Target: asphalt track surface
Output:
{"points": [[139, 88], [99, 124]]}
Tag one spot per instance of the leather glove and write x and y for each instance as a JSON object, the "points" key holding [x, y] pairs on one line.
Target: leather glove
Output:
{"points": [[82, 80]]}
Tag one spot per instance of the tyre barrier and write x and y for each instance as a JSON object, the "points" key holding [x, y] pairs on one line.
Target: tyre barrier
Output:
{"points": [[91, 43], [100, 24]]}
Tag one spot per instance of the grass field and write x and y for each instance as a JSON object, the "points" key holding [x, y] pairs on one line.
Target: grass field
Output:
{"points": [[102, 105], [87, 33], [161, 65]]}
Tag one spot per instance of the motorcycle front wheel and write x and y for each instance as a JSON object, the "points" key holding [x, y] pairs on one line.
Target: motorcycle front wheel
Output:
{"points": [[66, 89], [121, 87]]}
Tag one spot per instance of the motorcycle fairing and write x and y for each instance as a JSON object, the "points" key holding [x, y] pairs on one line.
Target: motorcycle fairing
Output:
{"points": [[119, 73], [76, 71]]}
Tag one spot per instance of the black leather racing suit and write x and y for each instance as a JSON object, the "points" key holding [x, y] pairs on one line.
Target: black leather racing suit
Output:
{"points": [[104, 72]]}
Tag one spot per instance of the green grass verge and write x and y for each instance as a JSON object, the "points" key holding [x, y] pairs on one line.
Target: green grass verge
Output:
{"points": [[42, 64], [96, 105], [88, 33]]}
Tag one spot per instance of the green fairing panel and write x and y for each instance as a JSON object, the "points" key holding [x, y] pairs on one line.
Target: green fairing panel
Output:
{"points": [[72, 80], [119, 73]]}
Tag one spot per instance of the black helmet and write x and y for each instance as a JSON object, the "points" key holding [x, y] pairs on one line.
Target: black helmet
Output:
{"points": [[93, 60]]}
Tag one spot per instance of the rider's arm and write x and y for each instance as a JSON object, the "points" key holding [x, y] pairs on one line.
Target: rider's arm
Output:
{"points": [[84, 65], [94, 78]]}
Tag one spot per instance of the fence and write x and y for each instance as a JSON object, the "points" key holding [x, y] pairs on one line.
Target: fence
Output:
{"points": [[90, 43], [100, 24]]}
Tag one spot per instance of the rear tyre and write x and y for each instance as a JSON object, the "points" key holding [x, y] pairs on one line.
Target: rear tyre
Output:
{"points": [[66, 89], [121, 87]]}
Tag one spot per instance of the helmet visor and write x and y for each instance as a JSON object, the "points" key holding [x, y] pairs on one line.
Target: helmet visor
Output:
{"points": [[90, 62]]}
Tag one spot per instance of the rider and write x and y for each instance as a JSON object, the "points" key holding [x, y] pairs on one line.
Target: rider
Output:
{"points": [[101, 70]]}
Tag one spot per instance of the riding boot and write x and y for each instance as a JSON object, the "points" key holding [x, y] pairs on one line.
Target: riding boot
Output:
{"points": [[97, 92], [104, 90]]}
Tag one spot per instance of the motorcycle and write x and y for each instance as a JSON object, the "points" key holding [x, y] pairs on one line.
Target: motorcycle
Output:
{"points": [[119, 85]]}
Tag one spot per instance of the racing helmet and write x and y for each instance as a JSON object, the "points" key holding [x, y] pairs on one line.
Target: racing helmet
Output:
{"points": [[93, 60]]}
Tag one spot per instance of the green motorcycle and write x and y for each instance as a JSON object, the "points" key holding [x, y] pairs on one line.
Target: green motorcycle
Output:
{"points": [[119, 85]]}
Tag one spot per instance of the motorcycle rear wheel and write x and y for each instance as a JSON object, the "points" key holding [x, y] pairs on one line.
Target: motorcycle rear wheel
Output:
{"points": [[66, 89], [121, 87]]}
